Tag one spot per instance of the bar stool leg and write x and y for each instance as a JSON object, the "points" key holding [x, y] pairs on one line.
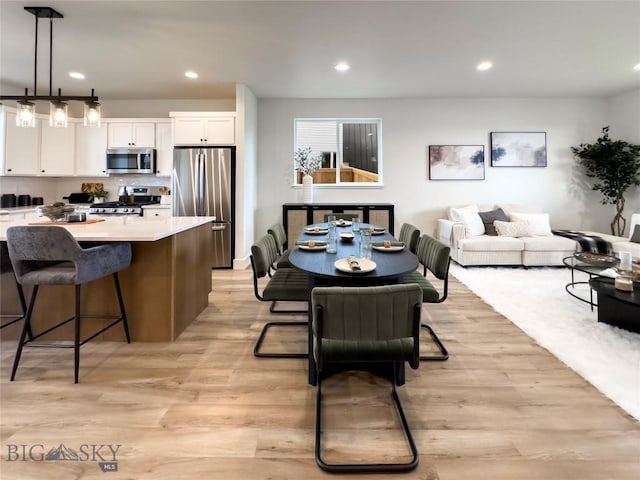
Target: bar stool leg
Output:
{"points": [[76, 342], [25, 328], [123, 314], [23, 305]]}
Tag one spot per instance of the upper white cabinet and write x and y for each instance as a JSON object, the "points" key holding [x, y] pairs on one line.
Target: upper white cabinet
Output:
{"points": [[91, 144], [164, 149], [57, 150], [21, 149], [125, 134], [203, 128]]}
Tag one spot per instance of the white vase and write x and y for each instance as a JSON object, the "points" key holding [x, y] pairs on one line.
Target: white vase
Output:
{"points": [[307, 189]]}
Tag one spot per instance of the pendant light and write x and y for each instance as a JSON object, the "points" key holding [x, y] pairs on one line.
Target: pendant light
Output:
{"points": [[58, 109]]}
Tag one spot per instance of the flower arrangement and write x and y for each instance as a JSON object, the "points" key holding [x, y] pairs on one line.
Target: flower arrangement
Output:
{"points": [[304, 163]]}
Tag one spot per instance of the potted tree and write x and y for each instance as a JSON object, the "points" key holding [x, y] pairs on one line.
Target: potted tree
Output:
{"points": [[615, 166]]}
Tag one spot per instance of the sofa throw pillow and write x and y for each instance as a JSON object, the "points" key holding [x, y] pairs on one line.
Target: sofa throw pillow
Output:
{"points": [[491, 216], [469, 216], [512, 229], [635, 221], [538, 222], [635, 236]]}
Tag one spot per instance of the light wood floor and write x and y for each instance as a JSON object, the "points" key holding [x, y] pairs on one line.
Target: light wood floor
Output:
{"points": [[203, 407]]}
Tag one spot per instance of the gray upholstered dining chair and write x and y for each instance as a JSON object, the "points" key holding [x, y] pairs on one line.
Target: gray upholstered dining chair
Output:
{"points": [[6, 267], [49, 255], [435, 258], [280, 236], [285, 285], [353, 326], [410, 236]]}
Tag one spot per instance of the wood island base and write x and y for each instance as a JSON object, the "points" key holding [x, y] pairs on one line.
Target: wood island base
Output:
{"points": [[165, 289]]}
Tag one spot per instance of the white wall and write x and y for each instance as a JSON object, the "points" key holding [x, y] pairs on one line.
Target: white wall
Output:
{"points": [[161, 108], [624, 116], [246, 177], [409, 126]]}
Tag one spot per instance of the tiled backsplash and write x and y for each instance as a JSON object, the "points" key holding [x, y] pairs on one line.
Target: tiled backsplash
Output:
{"points": [[54, 188]]}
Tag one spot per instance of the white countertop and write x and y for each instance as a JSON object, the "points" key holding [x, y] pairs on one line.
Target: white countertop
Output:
{"points": [[122, 228]]}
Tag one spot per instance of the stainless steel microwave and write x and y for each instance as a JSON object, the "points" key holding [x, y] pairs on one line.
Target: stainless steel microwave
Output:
{"points": [[131, 160]]}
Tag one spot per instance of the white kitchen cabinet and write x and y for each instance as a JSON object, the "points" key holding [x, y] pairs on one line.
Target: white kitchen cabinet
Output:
{"points": [[206, 130], [21, 152], [91, 145], [57, 150], [153, 212], [138, 135], [164, 149]]}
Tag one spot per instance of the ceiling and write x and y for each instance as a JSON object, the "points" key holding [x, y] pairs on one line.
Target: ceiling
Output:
{"points": [[287, 49]]}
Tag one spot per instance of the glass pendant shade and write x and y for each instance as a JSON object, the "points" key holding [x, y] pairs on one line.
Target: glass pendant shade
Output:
{"points": [[26, 114], [92, 114], [58, 115]]}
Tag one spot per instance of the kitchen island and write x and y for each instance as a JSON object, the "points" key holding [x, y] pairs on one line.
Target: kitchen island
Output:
{"points": [[165, 288]]}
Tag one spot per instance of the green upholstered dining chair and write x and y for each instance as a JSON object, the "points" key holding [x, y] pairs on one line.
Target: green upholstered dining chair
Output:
{"points": [[280, 236], [284, 285], [435, 258], [363, 325], [49, 255], [410, 236]]}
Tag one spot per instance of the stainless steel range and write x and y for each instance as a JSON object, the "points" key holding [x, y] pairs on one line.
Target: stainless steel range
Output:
{"points": [[131, 198]]}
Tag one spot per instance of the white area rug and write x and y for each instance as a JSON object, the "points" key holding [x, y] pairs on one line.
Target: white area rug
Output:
{"points": [[536, 301]]}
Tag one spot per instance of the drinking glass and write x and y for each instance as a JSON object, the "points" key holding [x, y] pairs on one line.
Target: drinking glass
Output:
{"points": [[332, 243], [365, 243], [355, 225], [331, 222]]}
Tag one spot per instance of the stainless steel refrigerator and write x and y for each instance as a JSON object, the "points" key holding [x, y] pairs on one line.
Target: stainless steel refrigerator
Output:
{"points": [[204, 185]]}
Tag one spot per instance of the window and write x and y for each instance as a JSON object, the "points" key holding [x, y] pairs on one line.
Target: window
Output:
{"points": [[350, 150]]}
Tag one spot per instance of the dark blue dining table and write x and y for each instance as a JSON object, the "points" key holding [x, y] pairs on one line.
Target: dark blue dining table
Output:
{"points": [[391, 267]]}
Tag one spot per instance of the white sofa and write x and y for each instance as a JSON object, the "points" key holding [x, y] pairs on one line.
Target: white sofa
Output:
{"points": [[624, 244], [471, 246]]}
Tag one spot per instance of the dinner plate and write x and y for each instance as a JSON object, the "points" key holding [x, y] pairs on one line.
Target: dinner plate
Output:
{"points": [[314, 248], [377, 232], [366, 265], [392, 248], [311, 231], [343, 223]]}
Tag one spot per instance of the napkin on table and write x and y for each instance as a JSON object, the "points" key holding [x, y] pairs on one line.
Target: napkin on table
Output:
{"points": [[353, 263], [392, 243]]}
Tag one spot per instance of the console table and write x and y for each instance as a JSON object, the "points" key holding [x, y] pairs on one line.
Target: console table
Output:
{"points": [[295, 216]]}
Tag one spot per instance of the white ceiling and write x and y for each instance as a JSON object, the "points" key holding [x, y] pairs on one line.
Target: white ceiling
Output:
{"points": [[287, 49]]}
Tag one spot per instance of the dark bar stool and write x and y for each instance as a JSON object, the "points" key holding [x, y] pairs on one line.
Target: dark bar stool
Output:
{"points": [[5, 267], [49, 255]]}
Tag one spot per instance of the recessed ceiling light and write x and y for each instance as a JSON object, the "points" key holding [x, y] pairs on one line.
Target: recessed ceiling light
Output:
{"points": [[636, 67], [342, 66], [190, 74], [482, 66], [77, 75]]}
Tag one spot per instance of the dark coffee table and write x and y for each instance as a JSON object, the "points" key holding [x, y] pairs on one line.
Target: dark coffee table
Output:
{"points": [[591, 264], [615, 307]]}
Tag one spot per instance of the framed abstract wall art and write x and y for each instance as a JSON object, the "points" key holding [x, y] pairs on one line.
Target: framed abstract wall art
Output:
{"points": [[456, 162], [518, 149]]}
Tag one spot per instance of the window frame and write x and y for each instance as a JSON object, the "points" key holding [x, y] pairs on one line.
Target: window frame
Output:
{"points": [[339, 150]]}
